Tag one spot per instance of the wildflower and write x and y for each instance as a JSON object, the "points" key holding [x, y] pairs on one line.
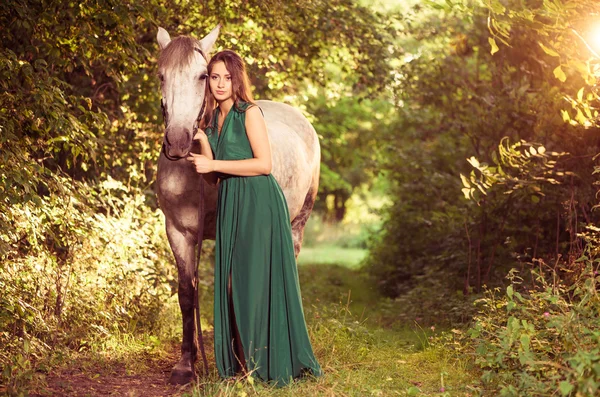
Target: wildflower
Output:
{"points": [[546, 314], [442, 389]]}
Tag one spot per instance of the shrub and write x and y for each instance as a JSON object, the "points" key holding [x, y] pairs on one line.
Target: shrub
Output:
{"points": [[539, 340], [77, 269]]}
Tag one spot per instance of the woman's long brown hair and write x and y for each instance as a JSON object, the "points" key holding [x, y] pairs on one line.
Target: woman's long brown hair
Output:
{"points": [[240, 85]]}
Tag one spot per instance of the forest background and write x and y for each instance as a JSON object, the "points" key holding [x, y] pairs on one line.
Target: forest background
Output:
{"points": [[459, 156]]}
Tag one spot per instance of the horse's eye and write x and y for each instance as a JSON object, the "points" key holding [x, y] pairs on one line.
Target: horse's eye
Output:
{"points": [[203, 77], [161, 77]]}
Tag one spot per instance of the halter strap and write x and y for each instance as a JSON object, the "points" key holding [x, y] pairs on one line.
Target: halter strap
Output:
{"points": [[201, 113]]}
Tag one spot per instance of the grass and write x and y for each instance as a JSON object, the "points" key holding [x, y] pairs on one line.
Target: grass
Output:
{"points": [[358, 361], [330, 255], [358, 356], [360, 352]]}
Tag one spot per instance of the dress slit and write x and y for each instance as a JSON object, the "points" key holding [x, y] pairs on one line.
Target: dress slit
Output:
{"points": [[237, 346]]}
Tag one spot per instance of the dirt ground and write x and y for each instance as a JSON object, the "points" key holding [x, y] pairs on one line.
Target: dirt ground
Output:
{"points": [[82, 379]]}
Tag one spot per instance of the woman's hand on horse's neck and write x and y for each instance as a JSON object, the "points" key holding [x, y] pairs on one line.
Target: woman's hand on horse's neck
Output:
{"points": [[205, 150]]}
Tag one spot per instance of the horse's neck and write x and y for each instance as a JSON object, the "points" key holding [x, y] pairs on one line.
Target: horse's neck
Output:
{"points": [[176, 177]]}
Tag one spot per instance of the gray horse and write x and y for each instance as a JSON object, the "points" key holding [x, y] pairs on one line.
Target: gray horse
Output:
{"points": [[188, 202]]}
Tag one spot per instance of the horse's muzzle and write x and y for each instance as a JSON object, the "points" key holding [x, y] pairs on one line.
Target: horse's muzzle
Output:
{"points": [[172, 157], [177, 144]]}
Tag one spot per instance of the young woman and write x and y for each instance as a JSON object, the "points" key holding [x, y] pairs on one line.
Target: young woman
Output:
{"points": [[259, 321]]}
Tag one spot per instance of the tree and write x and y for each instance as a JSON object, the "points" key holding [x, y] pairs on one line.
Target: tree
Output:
{"points": [[353, 133], [459, 98]]}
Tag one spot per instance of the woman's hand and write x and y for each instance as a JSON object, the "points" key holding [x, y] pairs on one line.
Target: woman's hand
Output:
{"points": [[201, 136], [203, 164]]}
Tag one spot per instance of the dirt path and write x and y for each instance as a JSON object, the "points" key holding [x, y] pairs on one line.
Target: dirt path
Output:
{"points": [[144, 376]]}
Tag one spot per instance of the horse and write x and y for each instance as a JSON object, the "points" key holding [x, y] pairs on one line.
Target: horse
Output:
{"points": [[188, 202]]}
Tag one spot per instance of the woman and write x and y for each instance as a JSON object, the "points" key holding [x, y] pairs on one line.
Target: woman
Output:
{"points": [[259, 321]]}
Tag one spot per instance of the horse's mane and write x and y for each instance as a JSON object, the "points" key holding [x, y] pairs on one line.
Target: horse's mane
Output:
{"points": [[179, 52]]}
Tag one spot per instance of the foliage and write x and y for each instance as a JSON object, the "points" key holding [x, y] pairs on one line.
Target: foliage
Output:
{"points": [[78, 275], [524, 115], [431, 301], [424, 208], [350, 133], [565, 33], [529, 341], [521, 168], [458, 100], [286, 42]]}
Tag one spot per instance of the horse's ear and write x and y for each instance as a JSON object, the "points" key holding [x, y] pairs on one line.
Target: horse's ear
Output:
{"points": [[163, 38], [208, 42]]}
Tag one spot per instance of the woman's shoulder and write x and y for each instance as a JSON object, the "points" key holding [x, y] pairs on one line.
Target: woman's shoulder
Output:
{"points": [[242, 106]]}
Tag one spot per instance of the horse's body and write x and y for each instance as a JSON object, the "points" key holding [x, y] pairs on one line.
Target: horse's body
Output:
{"points": [[183, 193]]}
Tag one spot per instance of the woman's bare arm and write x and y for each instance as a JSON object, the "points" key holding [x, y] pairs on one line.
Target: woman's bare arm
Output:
{"points": [[256, 130]]}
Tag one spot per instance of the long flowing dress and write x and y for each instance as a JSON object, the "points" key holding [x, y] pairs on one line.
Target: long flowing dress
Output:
{"points": [[254, 247]]}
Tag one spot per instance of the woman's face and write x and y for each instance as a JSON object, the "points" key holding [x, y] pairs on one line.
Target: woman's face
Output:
{"points": [[220, 82]]}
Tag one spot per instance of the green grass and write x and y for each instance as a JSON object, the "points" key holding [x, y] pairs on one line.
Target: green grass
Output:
{"points": [[359, 356], [358, 361], [329, 255], [360, 352]]}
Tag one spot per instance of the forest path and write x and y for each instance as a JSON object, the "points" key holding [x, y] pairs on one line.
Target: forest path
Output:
{"points": [[102, 375], [360, 350]]}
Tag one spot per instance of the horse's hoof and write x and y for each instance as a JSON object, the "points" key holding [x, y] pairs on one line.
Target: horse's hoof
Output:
{"points": [[183, 372]]}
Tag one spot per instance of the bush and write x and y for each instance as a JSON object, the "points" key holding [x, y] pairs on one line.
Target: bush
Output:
{"points": [[432, 300], [78, 269], [533, 342]]}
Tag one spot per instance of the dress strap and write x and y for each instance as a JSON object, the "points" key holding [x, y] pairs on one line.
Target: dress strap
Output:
{"points": [[244, 106]]}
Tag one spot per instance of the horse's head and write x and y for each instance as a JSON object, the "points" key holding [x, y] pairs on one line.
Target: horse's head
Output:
{"points": [[183, 79]]}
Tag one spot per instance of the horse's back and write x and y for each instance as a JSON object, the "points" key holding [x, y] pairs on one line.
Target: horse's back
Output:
{"points": [[295, 151], [281, 113]]}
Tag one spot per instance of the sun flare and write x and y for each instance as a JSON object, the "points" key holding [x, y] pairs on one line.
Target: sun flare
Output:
{"points": [[594, 37]]}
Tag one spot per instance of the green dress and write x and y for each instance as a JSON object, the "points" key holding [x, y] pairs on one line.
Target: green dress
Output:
{"points": [[254, 245]]}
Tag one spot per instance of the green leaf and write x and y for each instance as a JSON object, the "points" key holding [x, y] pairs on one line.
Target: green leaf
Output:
{"points": [[525, 342], [496, 6], [465, 181], [549, 51], [580, 118], [559, 74], [494, 46], [509, 291], [413, 391], [467, 192], [580, 95], [473, 161], [565, 388]]}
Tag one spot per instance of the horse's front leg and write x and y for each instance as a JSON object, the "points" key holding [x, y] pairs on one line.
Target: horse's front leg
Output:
{"points": [[183, 244]]}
